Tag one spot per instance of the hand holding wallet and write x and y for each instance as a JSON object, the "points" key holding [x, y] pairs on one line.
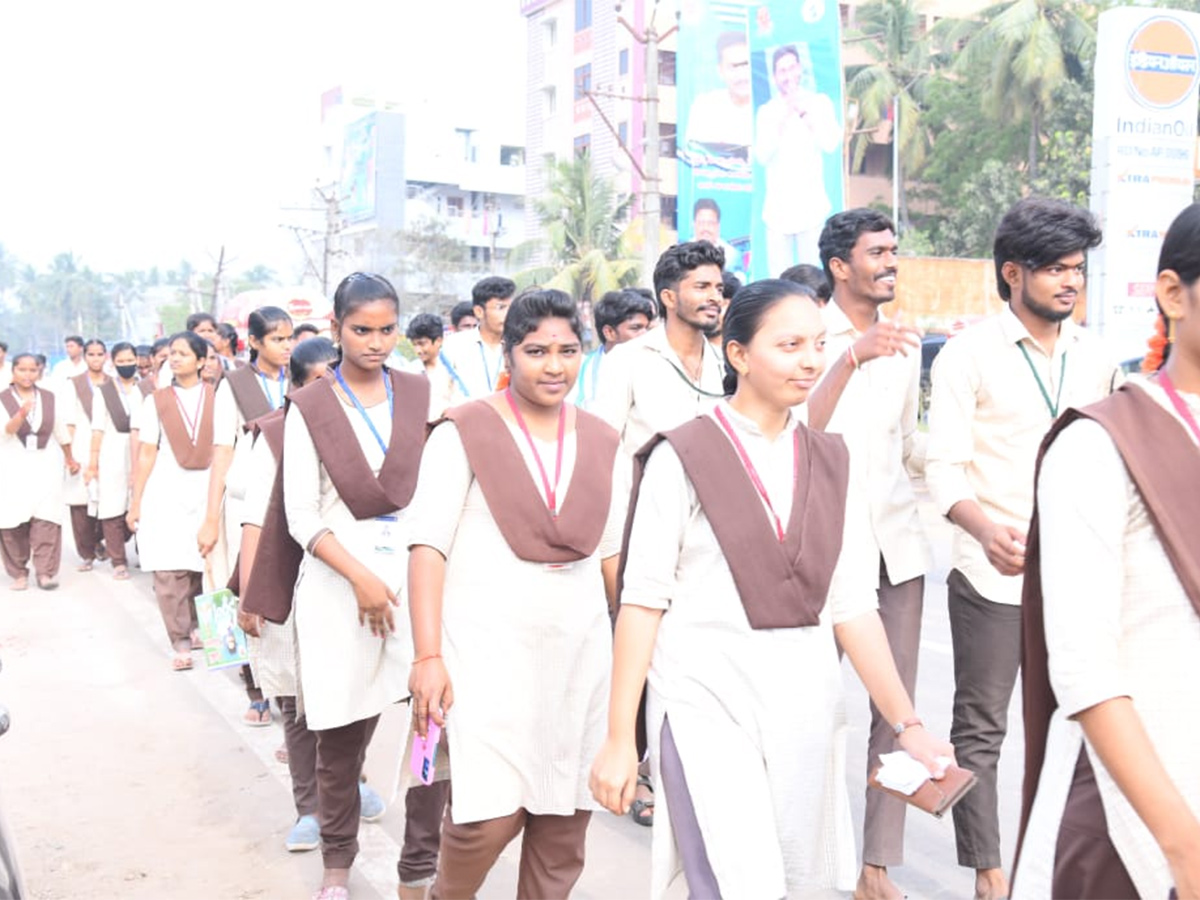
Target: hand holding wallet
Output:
{"points": [[934, 797]]}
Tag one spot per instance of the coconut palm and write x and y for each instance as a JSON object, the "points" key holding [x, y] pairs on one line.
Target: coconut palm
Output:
{"points": [[892, 34], [1031, 48], [582, 214]]}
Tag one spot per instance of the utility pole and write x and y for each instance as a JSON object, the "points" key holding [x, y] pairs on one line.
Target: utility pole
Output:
{"points": [[651, 189], [216, 289]]}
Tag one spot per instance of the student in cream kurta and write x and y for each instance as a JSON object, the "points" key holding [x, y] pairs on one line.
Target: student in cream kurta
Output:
{"points": [[515, 646], [35, 443], [360, 433], [77, 493], [737, 694], [110, 454]]}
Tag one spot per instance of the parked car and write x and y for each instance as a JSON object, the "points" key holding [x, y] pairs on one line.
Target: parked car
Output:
{"points": [[11, 887]]}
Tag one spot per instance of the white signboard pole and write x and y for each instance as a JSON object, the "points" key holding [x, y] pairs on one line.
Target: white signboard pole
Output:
{"points": [[1143, 161]]}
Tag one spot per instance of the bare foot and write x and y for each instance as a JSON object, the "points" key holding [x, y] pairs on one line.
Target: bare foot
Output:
{"points": [[990, 884], [404, 892], [20, 584], [874, 884]]}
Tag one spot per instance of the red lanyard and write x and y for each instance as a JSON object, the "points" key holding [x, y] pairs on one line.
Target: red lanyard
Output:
{"points": [[753, 472], [192, 422], [551, 491], [1180, 406]]}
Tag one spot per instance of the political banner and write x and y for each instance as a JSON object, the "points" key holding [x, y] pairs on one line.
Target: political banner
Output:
{"points": [[798, 164]]}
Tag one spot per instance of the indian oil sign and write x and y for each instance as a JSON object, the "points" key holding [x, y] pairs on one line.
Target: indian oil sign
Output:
{"points": [[1162, 63]]}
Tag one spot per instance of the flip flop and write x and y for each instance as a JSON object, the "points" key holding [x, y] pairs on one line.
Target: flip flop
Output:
{"points": [[259, 714], [642, 811], [332, 892], [47, 583], [21, 584], [84, 567], [181, 663], [121, 574]]}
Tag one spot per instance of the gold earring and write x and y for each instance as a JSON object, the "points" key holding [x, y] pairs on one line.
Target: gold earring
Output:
{"points": [[1170, 331]]}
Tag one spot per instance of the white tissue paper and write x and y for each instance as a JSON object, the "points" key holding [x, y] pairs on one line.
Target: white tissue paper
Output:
{"points": [[900, 772]]}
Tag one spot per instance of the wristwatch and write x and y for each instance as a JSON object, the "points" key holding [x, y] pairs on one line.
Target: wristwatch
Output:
{"points": [[902, 727]]}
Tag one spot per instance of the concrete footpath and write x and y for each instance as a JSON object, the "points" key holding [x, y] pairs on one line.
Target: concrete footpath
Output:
{"points": [[121, 778]]}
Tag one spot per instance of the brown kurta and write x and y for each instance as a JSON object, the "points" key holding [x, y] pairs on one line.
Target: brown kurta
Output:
{"points": [[514, 499], [45, 428], [189, 456], [279, 556], [781, 584], [1164, 465]]}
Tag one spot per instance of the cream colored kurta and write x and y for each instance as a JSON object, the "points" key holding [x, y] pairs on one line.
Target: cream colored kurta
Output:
{"points": [[31, 480], [112, 483], [75, 492], [273, 653], [757, 715], [1118, 624], [174, 500], [528, 648], [346, 674]]}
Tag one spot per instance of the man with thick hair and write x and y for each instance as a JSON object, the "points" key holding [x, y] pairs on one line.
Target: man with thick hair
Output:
{"points": [[812, 277], [462, 317], [425, 332], [870, 394], [620, 316], [997, 388], [706, 226], [66, 369], [723, 118], [475, 358], [670, 374]]}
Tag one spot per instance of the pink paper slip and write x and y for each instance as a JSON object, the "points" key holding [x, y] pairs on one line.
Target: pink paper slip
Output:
{"points": [[424, 752]]}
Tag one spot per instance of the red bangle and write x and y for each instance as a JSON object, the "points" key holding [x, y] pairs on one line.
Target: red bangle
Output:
{"points": [[427, 658]]}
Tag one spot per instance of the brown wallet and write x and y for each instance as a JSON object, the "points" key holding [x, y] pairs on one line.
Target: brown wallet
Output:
{"points": [[934, 797]]}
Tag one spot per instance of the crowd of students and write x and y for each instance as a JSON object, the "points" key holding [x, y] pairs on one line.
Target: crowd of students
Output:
{"points": [[605, 573]]}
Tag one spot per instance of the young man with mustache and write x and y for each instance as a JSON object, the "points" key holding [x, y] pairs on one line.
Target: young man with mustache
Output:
{"points": [[997, 388], [870, 395]]}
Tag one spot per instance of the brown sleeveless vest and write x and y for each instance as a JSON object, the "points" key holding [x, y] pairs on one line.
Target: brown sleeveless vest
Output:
{"points": [[189, 456], [112, 402], [251, 400], [83, 390], [781, 584], [513, 497], [270, 429], [1164, 464], [46, 428], [367, 496], [146, 386]]}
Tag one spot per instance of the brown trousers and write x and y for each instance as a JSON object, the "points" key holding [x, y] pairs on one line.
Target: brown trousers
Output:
{"points": [[900, 611], [116, 535], [87, 533], [302, 757], [424, 808], [340, 755], [1086, 864], [552, 854], [37, 537], [174, 591]]}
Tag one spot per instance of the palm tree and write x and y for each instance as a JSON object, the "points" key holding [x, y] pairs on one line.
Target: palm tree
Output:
{"points": [[582, 215], [1031, 48], [897, 77]]}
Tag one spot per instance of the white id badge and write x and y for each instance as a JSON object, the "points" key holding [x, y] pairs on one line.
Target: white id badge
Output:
{"points": [[387, 534]]}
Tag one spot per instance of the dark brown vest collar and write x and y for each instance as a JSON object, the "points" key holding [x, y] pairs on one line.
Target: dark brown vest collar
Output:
{"points": [[781, 584], [270, 428], [365, 494], [1164, 464], [146, 386], [110, 391], [187, 455], [248, 393], [45, 428], [272, 579], [83, 390], [513, 497]]}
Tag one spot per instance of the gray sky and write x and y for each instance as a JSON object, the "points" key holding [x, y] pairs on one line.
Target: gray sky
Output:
{"points": [[139, 133]]}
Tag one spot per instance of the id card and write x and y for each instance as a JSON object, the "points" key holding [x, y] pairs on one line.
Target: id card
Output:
{"points": [[387, 535]]}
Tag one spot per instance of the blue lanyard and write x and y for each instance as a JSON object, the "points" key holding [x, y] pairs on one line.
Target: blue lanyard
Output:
{"points": [[387, 386], [267, 387], [453, 374], [593, 361], [491, 381]]}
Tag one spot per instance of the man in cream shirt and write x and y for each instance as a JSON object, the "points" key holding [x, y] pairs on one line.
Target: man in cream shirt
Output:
{"points": [[997, 388], [671, 374], [870, 395]]}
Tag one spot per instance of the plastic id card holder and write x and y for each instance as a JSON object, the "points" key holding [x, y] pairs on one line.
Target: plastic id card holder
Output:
{"points": [[387, 535]]}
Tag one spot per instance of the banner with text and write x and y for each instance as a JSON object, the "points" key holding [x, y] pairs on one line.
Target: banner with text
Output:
{"points": [[1143, 161]]}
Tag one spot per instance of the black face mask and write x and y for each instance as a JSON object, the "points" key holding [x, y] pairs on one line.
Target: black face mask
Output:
{"points": [[127, 372]]}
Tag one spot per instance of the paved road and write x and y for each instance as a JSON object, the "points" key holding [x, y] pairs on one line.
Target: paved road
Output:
{"points": [[123, 779]]}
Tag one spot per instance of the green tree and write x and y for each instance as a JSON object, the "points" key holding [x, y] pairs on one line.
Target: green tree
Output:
{"points": [[1030, 49], [430, 262], [902, 65], [584, 219]]}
